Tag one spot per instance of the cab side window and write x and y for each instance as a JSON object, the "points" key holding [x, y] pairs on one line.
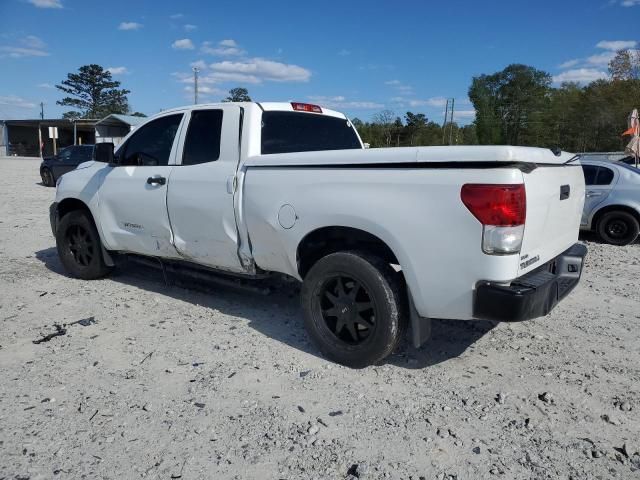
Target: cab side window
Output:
{"points": [[202, 143], [151, 145]]}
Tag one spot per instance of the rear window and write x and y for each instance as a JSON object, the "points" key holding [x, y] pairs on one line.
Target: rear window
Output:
{"points": [[286, 132]]}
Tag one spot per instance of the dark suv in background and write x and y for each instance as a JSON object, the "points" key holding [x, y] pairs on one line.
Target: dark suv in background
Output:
{"points": [[66, 160]]}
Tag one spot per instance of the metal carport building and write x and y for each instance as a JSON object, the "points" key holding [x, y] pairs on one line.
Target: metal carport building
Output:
{"points": [[30, 138]]}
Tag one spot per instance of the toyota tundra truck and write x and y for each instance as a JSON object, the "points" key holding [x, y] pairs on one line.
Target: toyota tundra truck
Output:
{"points": [[381, 239]]}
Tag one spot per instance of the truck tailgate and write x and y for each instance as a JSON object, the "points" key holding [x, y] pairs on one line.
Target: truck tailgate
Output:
{"points": [[555, 198]]}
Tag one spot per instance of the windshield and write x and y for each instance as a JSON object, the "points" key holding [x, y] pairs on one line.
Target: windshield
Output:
{"points": [[286, 132]]}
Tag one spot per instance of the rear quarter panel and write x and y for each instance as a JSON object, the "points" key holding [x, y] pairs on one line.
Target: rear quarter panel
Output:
{"points": [[417, 212]]}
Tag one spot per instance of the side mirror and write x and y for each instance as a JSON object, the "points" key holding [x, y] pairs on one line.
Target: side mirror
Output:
{"points": [[104, 152]]}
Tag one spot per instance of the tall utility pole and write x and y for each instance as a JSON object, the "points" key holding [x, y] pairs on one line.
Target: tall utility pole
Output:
{"points": [[41, 110], [195, 85], [444, 123], [453, 102], [448, 120]]}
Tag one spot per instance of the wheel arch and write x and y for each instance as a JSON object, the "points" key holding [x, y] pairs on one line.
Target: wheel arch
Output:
{"points": [[330, 239], [71, 204]]}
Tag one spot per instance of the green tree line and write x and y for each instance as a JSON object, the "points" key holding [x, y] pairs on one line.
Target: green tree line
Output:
{"points": [[520, 106], [413, 129]]}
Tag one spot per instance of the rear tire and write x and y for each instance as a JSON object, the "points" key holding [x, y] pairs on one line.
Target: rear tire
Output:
{"points": [[47, 178], [618, 228], [79, 246], [355, 308]]}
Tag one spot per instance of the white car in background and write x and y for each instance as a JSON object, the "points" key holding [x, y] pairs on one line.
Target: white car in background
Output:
{"points": [[380, 238]]}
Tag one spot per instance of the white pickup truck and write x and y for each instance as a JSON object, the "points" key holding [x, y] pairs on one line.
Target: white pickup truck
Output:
{"points": [[380, 238]]}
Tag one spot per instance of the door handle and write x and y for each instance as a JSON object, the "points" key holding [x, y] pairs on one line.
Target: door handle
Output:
{"points": [[594, 194], [156, 181]]}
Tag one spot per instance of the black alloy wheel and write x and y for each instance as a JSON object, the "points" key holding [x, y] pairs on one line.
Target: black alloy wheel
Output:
{"points": [[355, 307], [348, 309], [79, 246]]}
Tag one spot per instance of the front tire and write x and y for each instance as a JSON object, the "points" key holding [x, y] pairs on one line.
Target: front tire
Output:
{"points": [[47, 178], [618, 228], [354, 308], [79, 246]]}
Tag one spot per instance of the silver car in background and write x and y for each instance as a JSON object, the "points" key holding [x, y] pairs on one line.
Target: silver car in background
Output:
{"points": [[612, 203]]}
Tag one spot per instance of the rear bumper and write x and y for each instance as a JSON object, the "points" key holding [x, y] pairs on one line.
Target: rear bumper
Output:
{"points": [[53, 217], [534, 294]]}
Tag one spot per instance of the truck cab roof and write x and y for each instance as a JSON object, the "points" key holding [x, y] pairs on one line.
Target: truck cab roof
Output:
{"points": [[264, 106]]}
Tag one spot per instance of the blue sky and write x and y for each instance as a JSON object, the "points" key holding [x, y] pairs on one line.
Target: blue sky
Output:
{"points": [[357, 56]]}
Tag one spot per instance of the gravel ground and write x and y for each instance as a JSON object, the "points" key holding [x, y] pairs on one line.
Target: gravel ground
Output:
{"points": [[166, 382]]}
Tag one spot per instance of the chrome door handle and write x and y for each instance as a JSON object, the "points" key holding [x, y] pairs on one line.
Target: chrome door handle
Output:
{"points": [[156, 181], [594, 194]]}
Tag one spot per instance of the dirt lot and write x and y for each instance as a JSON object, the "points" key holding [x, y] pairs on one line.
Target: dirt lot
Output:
{"points": [[165, 382]]}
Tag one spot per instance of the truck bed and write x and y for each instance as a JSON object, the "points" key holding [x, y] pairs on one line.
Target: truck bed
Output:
{"points": [[410, 199]]}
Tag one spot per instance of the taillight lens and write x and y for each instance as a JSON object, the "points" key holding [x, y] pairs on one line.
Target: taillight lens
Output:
{"points": [[502, 210], [306, 107], [497, 205]]}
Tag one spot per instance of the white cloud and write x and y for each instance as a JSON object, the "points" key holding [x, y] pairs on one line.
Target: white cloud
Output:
{"points": [[569, 63], [118, 70], [18, 52], [189, 27], [429, 102], [129, 26], [402, 88], [224, 48], [30, 46], [16, 102], [183, 44], [176, 16], [616, 44], [344, 52], [601, 58], [256, 70], [45, 85], [580, 75], [340, 102], [590, 68], [464, 114], [205, 90], [630, 3], [46, 3], [31, 41]]}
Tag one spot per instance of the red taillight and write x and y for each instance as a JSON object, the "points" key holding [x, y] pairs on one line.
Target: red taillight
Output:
{"points": [[498, 205], [306, 107]]}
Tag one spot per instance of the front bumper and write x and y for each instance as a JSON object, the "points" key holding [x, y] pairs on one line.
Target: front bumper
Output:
{"points": [[54, 217], [534, 294]]}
